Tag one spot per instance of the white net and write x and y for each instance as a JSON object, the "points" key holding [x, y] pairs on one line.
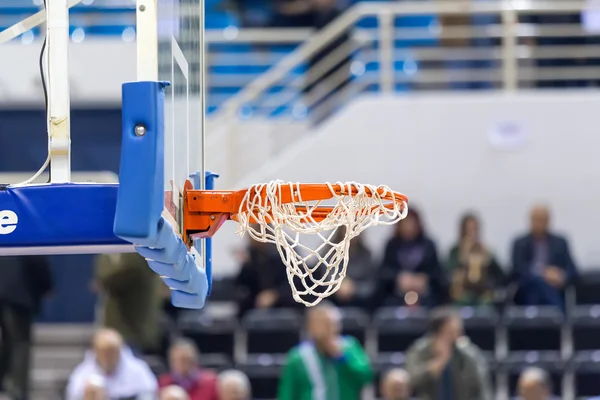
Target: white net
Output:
{"points": [[317, 271]]}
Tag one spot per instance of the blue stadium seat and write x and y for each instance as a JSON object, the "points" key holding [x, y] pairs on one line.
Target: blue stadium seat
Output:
{"points": [[534, 328], [211, 334], [272, 331], [586, 367], [399, 327], [355, 323], [586, 327], [480, 326], [263, 371]]}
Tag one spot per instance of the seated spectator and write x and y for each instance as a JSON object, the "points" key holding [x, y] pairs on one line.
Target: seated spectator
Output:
{"points": [[358, 286], [24, 282], [395, 385], [262, 281], [234, 385], [173, 393], [473, 270], [542, 263], [335, 366], [111, 371], [534, 384], [185, 372], [445, 364], [411, 273]]}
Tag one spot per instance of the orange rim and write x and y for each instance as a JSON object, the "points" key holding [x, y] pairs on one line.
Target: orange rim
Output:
{"points": [[204, 211]]}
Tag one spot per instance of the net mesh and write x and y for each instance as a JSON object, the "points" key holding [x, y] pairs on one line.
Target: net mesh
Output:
{"points": [[317, 271]]}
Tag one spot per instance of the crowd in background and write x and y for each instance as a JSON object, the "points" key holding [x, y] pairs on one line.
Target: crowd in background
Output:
{"points": [[411, 273]]}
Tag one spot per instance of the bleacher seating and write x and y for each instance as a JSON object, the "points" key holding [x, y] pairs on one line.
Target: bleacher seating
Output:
{"points": [[511, 339]]}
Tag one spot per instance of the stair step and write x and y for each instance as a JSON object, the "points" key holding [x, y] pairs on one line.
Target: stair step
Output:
{"points": [[63, 334], [49, 379], [60, 357]]}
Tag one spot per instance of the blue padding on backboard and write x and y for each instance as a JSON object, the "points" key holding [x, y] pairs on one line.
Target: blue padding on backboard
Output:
{"points": [[178, 268], [56, 215], [141, 195]]}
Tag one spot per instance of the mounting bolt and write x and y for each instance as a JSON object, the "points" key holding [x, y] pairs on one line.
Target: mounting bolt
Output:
{"points": [[212, 217], [142, 8], [140, 130]]}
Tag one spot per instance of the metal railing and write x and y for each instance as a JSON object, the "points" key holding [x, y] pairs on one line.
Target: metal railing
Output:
{"points": [[415, 46], [496, 44]]}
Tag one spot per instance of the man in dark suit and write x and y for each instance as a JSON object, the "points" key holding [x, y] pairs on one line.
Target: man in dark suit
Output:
{"points": [[542, 263], [24, 281]]}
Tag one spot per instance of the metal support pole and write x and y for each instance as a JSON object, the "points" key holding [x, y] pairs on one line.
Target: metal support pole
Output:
{"points": [[510, 60], [59, 118], [147, 40], [386, 52]]}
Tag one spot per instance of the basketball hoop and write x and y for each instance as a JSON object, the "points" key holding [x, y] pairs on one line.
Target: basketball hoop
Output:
{"points": [[282, 213]]}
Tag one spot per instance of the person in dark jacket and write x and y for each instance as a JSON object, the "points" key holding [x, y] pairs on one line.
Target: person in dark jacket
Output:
{"points": [[262, 281], [542, 263], [24, 281], [358, 286], [411, 273]]}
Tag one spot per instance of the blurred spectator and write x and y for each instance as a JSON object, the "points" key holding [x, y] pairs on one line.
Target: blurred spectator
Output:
{"points": [[234, 385], [326, 76], [534, 384], [133, 299], [446, 365], [329, 366], [173, 392], [111, 371], [358, 286], [24, 281], [462, 62], [473, 270], [411, 273], [262, 281], [186, 373], [327, 73], [395, 385], [542, 263], [292, 14]]}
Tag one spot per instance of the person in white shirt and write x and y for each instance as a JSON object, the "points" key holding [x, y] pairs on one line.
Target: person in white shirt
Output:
{"points": [[110, 371], [233, 385]]}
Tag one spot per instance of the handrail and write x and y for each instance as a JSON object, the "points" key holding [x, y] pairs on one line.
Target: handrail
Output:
{"points": [[258, 36], [406, 8]]}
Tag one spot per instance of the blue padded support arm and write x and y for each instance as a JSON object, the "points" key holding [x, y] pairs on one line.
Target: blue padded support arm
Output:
{"points": [[141, 197]]}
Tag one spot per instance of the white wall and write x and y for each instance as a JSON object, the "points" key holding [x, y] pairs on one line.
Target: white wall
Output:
{"points": [[97, 70], [436, 150]]}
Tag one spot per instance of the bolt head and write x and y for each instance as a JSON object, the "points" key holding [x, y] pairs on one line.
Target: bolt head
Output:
{"points": [[140, 130], [142, 8]]}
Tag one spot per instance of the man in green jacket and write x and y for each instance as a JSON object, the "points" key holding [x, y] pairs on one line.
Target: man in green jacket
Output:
{"points": [[328, 366]]}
